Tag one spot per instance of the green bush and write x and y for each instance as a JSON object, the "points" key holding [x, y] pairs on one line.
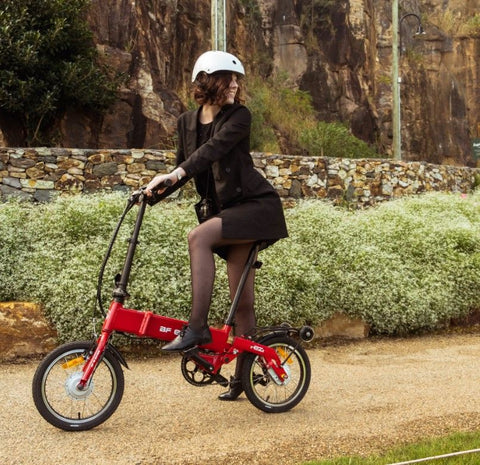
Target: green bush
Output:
{"points": [[263, 136], [334, 140], [48, 63], [405, 266], [279, 112], [472, 26]]}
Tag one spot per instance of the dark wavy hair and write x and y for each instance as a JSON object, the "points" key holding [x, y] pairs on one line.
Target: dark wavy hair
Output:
{"points": [[211, 88]]}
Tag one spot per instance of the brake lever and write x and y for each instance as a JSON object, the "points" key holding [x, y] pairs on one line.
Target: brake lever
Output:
{"points": [[137, 196]]}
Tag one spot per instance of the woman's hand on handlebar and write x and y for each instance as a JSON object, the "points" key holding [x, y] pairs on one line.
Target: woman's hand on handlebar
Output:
{"points": [[159, 183]]}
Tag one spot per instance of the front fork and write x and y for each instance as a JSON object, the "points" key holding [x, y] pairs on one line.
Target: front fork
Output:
{"points": [[101, 346]]}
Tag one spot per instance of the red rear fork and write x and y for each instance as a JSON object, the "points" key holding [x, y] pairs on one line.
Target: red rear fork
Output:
{"points": [[272, 360]]}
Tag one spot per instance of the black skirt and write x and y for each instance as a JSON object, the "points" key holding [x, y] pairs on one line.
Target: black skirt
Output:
{"points": [[258, 219]]}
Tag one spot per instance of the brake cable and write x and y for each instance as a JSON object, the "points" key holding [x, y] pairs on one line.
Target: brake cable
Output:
{"points": [[131, 202]]}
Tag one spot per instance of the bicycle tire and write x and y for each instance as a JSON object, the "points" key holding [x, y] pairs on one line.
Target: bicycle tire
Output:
{"points": [[260, 387], [58, 400]]}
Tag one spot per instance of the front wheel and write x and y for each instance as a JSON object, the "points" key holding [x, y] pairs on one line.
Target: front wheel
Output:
{"points": [[268, 394], [56, 394]]}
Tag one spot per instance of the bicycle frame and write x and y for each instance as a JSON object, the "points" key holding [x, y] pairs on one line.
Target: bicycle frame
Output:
{"points": [[221, 350], [275, 370]]}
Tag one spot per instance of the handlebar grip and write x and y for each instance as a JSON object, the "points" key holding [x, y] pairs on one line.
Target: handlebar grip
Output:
{"points": [[156, 196], [167, 183], [163, 185], [140, 192]]}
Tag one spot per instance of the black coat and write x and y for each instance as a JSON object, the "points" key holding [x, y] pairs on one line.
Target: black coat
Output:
{"points": [[227, 152], [250, 207]]}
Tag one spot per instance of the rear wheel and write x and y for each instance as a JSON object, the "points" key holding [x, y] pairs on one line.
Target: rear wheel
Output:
{"points": [[56, 394], [273, 395]]}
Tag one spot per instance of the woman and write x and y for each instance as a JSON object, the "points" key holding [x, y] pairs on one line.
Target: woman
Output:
{"points": [[214, 149]]}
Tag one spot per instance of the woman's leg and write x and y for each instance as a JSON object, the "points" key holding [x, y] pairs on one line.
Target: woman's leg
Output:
{"points": [[245, 313], [201, 242]]}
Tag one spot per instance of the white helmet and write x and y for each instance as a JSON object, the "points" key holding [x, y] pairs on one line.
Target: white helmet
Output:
{"points": [[216, 60]]}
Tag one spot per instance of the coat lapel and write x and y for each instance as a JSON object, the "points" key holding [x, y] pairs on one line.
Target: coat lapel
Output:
{"points": [[191, 126], [191, 136]]}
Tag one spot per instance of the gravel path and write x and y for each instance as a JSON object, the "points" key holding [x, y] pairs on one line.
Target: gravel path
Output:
{"points": [[364, 396]]}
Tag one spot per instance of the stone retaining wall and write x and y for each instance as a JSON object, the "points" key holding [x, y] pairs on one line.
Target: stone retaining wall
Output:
{"points": [[42, 173]]}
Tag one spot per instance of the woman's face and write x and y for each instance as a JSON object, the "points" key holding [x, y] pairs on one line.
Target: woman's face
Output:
{"points": [[231, 90]]}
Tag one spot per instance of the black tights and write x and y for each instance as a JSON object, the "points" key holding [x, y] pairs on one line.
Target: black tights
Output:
{"points": [[201, 242]]}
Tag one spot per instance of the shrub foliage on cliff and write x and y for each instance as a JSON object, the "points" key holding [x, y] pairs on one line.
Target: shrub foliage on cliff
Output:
{"points": [[48, 63], [284, 121], [407, 265]]}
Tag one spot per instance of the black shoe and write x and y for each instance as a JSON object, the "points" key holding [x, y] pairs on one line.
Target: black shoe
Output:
{"points": [[235, 390], [187, 339]]}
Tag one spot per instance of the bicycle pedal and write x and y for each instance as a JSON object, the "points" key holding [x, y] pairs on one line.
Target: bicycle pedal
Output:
{"points": [[221, 380], [193, 354]]}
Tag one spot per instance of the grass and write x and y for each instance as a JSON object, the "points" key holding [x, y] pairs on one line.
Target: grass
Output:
{"points": [[451, 444]]}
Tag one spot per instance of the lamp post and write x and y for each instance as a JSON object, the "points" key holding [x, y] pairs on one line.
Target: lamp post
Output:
{"points": [[419, 27], [397, 136], [396, 79], [219, 28]]}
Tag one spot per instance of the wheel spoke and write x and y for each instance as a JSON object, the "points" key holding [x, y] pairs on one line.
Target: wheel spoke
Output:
{"points": [[60, 401], [269, 393]]}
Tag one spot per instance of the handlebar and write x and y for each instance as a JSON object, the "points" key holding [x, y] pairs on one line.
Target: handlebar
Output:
{"points": [[137, 196]]}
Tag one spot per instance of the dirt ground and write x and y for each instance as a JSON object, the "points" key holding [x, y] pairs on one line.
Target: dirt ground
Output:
{"points": [[364, 396]]}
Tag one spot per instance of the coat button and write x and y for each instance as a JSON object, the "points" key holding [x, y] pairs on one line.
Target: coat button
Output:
{"points": [[227, 169], [238, 189]]}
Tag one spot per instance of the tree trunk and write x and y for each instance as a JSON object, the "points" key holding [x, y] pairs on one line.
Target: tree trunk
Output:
{"points": [[14, 132]]}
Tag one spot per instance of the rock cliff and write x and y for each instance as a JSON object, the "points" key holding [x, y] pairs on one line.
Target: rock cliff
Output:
{"points": [[338, 50]]}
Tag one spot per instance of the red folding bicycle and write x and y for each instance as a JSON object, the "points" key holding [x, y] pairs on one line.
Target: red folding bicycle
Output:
{"points": [[80, 384]]}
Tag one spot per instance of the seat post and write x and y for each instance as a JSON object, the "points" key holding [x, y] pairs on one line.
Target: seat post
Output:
{"points": [[249, 264]]}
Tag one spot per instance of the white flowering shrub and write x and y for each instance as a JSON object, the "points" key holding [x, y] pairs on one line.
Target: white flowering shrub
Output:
{"points": [[408, 265]]}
